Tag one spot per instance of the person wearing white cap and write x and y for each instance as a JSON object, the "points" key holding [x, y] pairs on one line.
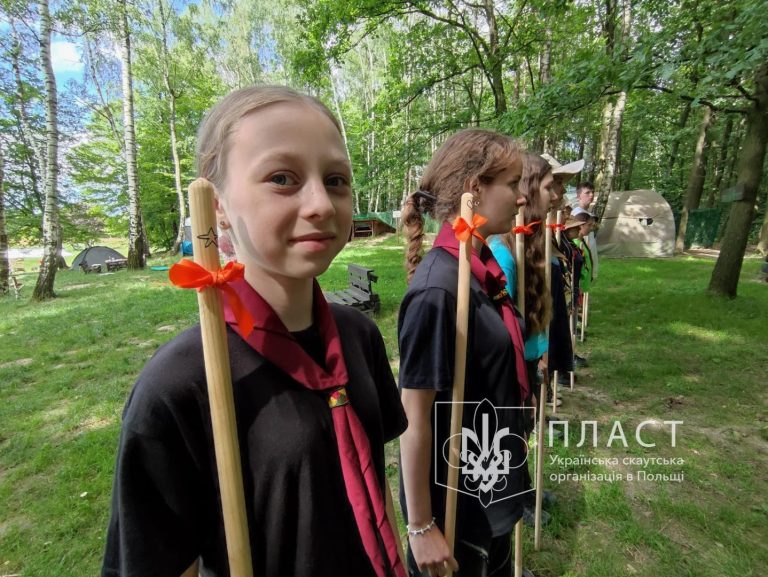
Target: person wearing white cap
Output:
{"points": [[562, 174]]}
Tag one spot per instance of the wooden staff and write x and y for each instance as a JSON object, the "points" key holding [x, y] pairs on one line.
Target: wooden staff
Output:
{"points": [[459, 372], [585, 312], [520, 268], [219, 377], [558, 234], [543, 396]]}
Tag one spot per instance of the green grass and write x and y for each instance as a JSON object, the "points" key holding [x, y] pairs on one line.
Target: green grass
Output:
{"points": [[659, 348]]}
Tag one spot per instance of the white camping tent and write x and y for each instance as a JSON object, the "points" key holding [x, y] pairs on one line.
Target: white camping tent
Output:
{"points": [[636, 223]]}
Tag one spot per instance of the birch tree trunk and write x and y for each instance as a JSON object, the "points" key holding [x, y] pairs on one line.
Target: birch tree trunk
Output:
{"points": [[696, 179], [176, 173], [137, 244], [35, 152], [613, 114], [47, 275], [340, 116], [5, 268], [725, 276], [173, 94]]}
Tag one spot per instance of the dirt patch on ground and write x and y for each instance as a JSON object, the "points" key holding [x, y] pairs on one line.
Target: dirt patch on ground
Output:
{"points": [[17, 363], [92, 423]]}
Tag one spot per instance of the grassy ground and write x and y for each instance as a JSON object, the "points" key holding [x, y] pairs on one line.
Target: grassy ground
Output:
{"points": [[659, 349]]}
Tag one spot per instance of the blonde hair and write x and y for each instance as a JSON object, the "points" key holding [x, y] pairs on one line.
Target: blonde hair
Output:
{"points": [[470, 156], [213, 136]]}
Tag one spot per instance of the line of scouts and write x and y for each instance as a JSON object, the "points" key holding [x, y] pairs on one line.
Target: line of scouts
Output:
{"points": [[317, 498]]}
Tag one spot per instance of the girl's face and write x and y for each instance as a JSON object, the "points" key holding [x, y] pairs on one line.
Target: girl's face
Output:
{"points": [[501, 199], [547, 196], [287, 195]]}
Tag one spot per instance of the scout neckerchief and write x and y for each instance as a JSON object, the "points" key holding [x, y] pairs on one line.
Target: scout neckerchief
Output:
{"points": [[272, 340], [492, 280]]}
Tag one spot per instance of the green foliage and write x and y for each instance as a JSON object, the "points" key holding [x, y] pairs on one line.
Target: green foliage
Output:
{"points": [[401, 76]]}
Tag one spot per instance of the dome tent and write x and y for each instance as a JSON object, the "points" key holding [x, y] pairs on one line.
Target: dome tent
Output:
{"points": [[636, 223], [95, 255]]}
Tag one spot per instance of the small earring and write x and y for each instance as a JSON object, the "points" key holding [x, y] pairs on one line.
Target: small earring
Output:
{"points": [[476, 203], [223, 225]]}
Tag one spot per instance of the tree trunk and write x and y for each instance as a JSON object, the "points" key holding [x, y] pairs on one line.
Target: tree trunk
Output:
{"points": [[609, 153], [725, 276], [5, 268], [173, 95], [631, 167], [176, 173], [762, 243], [696, 178], [722, 161], [47, 275], [605, 129], [35, 155], [684, 114], [495, 61], [137, 245]]}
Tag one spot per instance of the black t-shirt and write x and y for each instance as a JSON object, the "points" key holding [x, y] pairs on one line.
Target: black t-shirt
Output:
{"points": [[165, 507], [560, 346], [427, 333]]}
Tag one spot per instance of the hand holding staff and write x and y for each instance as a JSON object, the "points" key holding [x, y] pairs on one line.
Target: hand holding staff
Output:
{"points": [[460, 365], [217, 372]]}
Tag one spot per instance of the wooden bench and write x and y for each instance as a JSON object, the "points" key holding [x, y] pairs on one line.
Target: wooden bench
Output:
{"points": [[116, 263], [360, 293]]}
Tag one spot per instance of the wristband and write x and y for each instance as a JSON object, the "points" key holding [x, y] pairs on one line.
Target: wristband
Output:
{"points": [[417, 532]]}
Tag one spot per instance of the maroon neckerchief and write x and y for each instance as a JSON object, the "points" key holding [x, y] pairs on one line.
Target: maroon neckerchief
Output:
{"points": [[491, 278], [272, 341]]}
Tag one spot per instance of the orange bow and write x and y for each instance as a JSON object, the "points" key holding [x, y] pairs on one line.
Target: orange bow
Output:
{"points": [[464, 230], [556, 226], [526, 229], [189, 274]]}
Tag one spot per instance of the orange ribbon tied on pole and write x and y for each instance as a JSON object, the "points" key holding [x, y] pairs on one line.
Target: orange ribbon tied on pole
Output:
{"points": [[526, 229], [556, 226], [464, 230], [189, 274]]}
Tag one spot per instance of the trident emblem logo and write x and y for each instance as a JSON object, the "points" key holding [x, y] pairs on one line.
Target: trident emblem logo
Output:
{"points": [[485, 458]]}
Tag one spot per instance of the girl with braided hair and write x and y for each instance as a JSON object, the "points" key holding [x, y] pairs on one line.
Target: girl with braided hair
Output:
{"points": [[489, 165]]}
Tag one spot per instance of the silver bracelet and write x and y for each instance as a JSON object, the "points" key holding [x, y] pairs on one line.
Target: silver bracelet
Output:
{"points": [[417, 532]]}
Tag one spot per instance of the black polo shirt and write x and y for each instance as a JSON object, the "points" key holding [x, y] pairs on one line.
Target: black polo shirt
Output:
{"points": [[165, 508], [427, 333]]}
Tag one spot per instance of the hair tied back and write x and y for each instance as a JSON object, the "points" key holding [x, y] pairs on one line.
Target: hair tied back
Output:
{"points": [[424, 200]]}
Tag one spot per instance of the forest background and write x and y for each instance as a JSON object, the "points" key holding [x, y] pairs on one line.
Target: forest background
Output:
{"points": [[100, 101]]}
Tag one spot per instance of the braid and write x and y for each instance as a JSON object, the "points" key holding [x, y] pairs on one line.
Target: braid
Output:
{"points": [[413, 223]]}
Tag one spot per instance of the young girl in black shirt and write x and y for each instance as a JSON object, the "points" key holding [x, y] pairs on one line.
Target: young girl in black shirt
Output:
{"points": [[310, 381]]}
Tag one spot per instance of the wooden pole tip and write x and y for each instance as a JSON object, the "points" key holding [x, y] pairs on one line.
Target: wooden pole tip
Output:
{"points": [[200, 184]]}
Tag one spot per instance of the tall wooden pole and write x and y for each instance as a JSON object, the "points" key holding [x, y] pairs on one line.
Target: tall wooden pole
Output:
{"points": [[559, 220], [460, 365], [218, 375], [520, 268], [542, 396]]}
